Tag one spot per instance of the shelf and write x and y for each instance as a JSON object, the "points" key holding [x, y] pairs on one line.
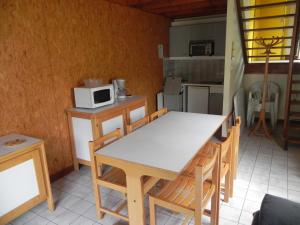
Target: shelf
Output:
{"points": [[194, 58]]}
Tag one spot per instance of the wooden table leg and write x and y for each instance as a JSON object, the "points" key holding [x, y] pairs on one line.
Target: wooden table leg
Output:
{"points": [[135, 198], [75, 161], [50, 199]]}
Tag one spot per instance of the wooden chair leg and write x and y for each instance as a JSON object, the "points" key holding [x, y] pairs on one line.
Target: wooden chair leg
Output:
{"points": [[198, 218], [214, 209], [152, 211], [227, 187], [100, 214], [231, 185]]}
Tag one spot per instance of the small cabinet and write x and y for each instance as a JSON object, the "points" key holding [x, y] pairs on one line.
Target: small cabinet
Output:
{"points": [[89, 124], [24, 176]]}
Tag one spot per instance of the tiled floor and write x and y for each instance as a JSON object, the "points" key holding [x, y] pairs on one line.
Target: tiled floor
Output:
{"points": [[263, 168]]}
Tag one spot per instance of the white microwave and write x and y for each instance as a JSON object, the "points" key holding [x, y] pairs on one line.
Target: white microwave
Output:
{"points": [[94, 97]]}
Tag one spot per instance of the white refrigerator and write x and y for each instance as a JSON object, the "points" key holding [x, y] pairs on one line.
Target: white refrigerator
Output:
{"points": [[197, 99]]}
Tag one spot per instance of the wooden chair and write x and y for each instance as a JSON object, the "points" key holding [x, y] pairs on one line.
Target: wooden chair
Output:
{"points": [[225, 163], [236, 145], [158, 114], [114, 179], [132, 127], [190, 194]]}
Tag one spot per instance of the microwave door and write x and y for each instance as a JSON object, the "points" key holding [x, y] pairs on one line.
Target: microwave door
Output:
{"points": [[102, 96]]}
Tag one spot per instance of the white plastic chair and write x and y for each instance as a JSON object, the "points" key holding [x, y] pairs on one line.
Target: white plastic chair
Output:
{"points": [[254, 102]]}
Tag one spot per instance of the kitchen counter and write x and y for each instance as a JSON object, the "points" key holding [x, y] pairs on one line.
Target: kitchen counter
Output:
{"points": [[117, 103]]}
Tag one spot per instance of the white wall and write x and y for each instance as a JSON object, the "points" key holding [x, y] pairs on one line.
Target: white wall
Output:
{"points": [[180, 36], [234, 63], [279, 79]]}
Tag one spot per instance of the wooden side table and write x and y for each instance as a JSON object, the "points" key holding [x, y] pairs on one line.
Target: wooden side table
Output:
{"points": [[24, 176]]}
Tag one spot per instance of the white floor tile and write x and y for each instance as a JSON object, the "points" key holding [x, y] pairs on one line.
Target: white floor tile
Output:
{"points": [[235, 202], [24, 218], [251, 206], [230, 213], [226, 222], [66, 218], [294, 195], [255, 195], [280, 192], [246, 218], [37, 221], [52, 215], [83, 221]]}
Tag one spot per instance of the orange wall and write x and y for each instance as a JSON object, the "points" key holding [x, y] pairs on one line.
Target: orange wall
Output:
{"points": [[49, 47]]}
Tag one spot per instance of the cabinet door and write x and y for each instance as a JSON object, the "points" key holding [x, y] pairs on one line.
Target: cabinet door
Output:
{"points": [[112, 124], [22, 185], [112, 121], [197, 99], [136, 111], [83, 133]]}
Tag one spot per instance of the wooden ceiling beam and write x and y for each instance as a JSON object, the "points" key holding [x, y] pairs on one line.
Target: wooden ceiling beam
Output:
{"points": [[169, 3], [131, 2], [195, 6], [177, 8], [194, 13]]}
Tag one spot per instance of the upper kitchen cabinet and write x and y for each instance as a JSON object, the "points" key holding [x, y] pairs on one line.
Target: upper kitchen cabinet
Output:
{"points": [[182, 33]]}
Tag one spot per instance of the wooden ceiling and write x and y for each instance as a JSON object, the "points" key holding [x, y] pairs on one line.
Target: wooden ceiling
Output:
{"points": [[176, 9]]}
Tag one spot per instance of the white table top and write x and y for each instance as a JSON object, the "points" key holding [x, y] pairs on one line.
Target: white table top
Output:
{"points": [[5, 150], [168, 142]]}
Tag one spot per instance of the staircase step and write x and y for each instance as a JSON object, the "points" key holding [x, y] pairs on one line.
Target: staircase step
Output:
{"points": [[295, 114], [244, 8], [294, 127], [295, 92], [295, 102], [294, 140]]}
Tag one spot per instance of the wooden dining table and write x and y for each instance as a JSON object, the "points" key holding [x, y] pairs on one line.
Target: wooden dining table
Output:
{"points": [[161, 149]]}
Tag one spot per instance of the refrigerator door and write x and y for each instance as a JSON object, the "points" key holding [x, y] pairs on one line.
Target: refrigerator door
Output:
{"points": [[197, 99], [173, 102]]}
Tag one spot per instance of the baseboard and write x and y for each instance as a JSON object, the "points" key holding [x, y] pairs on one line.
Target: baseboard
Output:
{"points": [[61, 173]]}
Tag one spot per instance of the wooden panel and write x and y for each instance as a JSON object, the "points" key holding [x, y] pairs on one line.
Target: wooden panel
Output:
{"points": [[49, 47], [274, 68], [178, 8]]}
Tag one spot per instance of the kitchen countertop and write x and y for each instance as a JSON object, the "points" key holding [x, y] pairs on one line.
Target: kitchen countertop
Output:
{"points": [[118, 102], [6, 150], [202, 84]]}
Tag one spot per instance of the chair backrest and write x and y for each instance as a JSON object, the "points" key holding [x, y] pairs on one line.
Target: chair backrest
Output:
{"points": [[226, 147], [209, 165], [104, 140], [158, 114], [209, 170], [132, 127], [201, 159], [256, 90]]}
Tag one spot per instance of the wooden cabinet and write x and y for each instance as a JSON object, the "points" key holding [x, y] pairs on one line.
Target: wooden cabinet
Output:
{"points": [[89, 124], [24, 176]]}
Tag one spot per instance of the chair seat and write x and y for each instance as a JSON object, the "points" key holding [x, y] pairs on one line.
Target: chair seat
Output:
{"points": [[115, 176], [118, 176], [182, 192]]}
